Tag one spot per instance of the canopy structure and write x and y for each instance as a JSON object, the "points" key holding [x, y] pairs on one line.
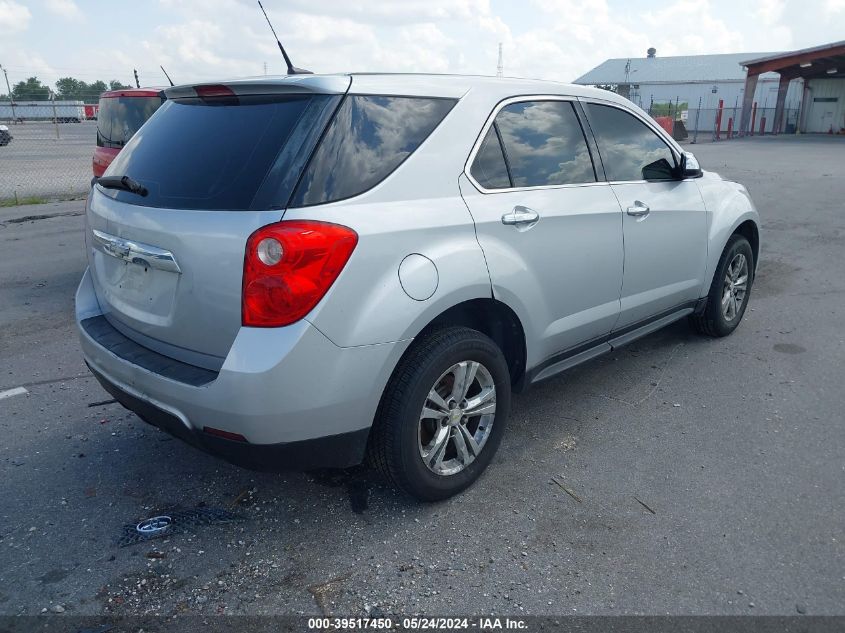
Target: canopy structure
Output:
{"points": [[826, 61]]}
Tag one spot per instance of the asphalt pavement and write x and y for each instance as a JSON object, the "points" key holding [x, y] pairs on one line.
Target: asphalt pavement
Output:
{"points": [[679, 475]]}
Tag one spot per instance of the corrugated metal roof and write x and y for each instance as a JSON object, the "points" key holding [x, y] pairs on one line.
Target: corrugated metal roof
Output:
{"points": [[672, 69]]}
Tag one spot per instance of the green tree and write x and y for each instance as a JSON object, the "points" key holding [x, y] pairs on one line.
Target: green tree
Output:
{"points": [[114, 84], [31, 90], [68, 88], [95, 90]]}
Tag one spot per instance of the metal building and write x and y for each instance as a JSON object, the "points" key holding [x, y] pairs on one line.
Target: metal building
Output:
{"points": [[694, 81]]}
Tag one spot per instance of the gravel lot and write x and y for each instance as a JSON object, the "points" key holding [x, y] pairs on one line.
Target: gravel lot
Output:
{"points": [[708, 473], [36, 163]]}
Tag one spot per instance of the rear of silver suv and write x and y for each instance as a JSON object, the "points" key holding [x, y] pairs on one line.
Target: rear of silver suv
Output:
{"points": [[187, 314], [301, 272]]}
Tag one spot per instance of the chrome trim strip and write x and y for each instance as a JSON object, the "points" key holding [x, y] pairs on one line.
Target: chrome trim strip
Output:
{"points": [[135, 252]]}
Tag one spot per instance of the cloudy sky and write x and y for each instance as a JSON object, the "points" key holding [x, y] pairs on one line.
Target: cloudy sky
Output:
{"points": [[551, 39]]}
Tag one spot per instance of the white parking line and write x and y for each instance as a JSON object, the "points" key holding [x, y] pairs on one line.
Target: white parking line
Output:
{"points": [[12, 392]]}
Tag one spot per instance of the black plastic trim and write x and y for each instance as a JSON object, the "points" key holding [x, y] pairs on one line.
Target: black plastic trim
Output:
{"points": [[607, 338], [332, 451], [106, 335]]}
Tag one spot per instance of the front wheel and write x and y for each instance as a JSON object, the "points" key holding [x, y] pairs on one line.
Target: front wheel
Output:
{"points": [[442, 414], [730, 290]]}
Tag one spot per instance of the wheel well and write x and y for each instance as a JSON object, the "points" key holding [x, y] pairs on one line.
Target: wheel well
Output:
{"points": [[496, 320], [750, 232]]}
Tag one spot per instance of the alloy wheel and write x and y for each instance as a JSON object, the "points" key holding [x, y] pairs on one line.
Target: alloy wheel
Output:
{"points": [[735, 288], [457, 418]]}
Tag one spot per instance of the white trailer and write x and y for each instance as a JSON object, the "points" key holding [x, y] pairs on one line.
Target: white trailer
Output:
{"points": [[61, 111]]}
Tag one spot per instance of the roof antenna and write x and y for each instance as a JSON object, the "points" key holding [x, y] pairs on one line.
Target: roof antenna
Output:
{"points": [[165, 74], [292, 70]]}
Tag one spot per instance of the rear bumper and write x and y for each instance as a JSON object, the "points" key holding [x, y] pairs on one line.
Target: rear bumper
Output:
{"points": [[333, 451], [299, 400]]}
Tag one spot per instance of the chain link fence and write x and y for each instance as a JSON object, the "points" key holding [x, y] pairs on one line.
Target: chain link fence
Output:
{"points": [[45, 151], [705, 124]]}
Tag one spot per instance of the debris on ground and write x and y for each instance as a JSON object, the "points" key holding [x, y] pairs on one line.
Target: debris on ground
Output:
{"points": [[174, 522], [566, 490], [101, 403], [566, 444], [644, 505]]}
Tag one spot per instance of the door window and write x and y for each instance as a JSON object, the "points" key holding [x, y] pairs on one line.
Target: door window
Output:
{"points": [[630, 150], [544, 145]]}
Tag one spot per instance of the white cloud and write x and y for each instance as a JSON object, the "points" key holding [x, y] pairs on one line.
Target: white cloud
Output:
{"points": [[548, 39], [14, 17], [65, 8]]}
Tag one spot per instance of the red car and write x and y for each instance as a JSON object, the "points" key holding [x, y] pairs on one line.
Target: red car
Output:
{"points": [[120, 115]]}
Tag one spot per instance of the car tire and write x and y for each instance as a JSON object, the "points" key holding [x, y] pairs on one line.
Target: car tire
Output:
{"points": [[433, 457], [728, 296]]}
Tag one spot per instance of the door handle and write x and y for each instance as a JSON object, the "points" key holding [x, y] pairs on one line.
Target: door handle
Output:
{"points": [[521, 217], [639, 210]]}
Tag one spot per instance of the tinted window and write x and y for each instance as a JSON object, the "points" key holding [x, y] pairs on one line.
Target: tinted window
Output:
{"points": [[216, 153], [489, 168], [368, 138], [119, 118], [544, 144], [630, 150]]}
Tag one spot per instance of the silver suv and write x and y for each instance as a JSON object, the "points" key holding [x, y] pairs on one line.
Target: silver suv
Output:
{"points": [[310, 270]]}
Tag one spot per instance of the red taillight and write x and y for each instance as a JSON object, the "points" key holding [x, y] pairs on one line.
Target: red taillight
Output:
{"points": [[216, 90], [289, 267]]}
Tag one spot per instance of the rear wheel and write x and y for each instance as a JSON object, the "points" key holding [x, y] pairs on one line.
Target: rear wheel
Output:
{"points": [[730, 290], [442, 414]]}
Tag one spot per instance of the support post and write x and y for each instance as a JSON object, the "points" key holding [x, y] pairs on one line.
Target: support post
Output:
{"points": [[697, 114], [747, 100], [753, 119], [783, 86], [718, 131]]}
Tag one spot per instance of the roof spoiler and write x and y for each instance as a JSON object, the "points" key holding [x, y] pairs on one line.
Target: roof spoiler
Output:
{"points": [[301, 84]]}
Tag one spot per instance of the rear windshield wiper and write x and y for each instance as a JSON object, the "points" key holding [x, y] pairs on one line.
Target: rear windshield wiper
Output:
{"points": [[124, 183]]}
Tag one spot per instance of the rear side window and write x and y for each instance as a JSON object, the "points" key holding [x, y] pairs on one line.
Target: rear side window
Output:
{"points": [[489, 167], [228, 153], [369, 137], [119, 118], [544, 144], [630, 150]]}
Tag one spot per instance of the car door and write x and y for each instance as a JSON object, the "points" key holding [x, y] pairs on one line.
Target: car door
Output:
{"points": [[664, 221], [550, 228]]}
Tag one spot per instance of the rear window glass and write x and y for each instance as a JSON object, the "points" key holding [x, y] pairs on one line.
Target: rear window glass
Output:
{"points": [[119, 118], [217, 153], [367, 140], [544, 144]]}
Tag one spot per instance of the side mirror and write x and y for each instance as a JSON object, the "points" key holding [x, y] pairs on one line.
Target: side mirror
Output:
{"points": [[689, 166]]}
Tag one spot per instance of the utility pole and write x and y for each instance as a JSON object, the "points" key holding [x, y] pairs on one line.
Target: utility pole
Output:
{"points": [[11, 101], [265, 69], [55, 115], [500, 69]]}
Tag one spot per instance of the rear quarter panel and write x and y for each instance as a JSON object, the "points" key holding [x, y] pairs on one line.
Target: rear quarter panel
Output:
{"points": [[367, 304]]}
